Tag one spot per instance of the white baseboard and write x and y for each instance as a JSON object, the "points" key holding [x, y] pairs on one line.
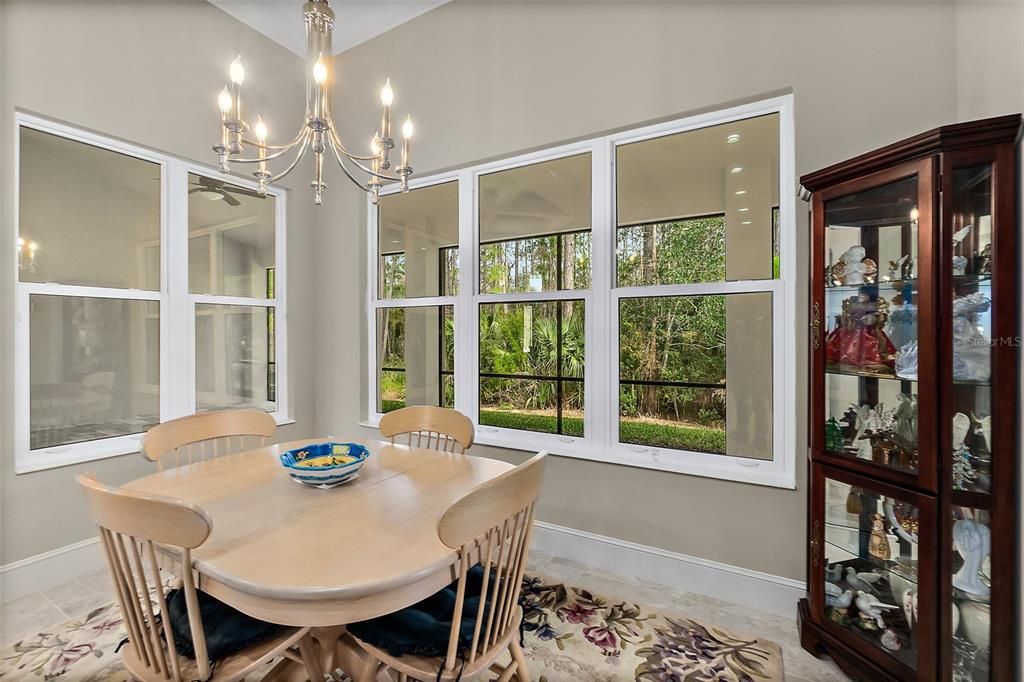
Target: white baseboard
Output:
{"points": [[752, 589], [50, 569], [749, 588]]}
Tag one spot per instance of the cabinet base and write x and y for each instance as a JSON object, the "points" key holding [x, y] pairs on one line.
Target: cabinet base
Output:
{"points": [[818, 643]]}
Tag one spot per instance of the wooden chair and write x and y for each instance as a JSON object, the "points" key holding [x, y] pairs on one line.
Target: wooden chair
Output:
{"points": [[129, 525], [206, 435], [425, 426], [490, 526]]}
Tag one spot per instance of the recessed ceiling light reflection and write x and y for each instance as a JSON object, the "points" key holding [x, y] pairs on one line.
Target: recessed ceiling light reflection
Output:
{"points": [[744, 210], [733, 139], [736, 169], [740, 192], [745, 222]]}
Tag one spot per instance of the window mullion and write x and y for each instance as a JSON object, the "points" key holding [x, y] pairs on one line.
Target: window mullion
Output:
{"points": [[466, 318], [177, 369], [600, 403]]}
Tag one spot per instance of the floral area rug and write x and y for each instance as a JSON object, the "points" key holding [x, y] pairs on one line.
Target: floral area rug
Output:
{"points": [[571, 635]]}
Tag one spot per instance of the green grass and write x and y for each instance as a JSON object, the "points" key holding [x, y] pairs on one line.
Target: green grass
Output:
{"points": [[668, 436]]}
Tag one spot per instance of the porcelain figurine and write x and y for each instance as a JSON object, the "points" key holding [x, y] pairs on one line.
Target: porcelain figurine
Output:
{"points": [[906, 361], [983, 428], [959, 265], [897, 267], [909, 610], [878, 544], [853, 268], [963, 470], [973, 542], [890, 640], [859, 340], [869, 606], [971, 348], [834, 573], [956, 618], [833, 435], [862, 582], [983, 261], [836, 597], [901, 324], [905, 419]]}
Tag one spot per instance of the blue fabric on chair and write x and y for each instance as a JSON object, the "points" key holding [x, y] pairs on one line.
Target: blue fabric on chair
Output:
{"points": [[423, 628], [228, 630]]}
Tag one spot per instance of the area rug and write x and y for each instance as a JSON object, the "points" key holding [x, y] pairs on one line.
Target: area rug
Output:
{"points": [[570, 635]]}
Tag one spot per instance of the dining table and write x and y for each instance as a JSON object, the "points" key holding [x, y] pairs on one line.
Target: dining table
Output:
{"points": [[297, 555]]}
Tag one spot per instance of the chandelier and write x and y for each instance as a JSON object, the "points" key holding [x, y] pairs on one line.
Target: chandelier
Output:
{"points": [[317, 133]]}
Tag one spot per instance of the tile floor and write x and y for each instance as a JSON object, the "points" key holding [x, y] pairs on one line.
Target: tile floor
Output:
{"points": [[34, 612]]}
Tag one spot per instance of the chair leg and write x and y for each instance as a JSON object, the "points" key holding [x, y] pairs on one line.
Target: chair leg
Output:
{"points": [[369, 672], [522, 671], [311, 659]]}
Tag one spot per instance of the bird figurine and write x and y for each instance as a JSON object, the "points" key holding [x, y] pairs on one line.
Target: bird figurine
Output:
{"points": [[863, 581], [961, 234], [840, 601], [834, 573], [869, 606]]}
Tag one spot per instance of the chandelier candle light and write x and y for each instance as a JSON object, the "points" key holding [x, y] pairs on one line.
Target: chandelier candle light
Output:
{"points": [[318, 132]]}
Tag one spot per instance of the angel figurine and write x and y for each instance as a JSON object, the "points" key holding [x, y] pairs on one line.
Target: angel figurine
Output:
{"points": [[973, 542], [853, 268], [970, 346]]}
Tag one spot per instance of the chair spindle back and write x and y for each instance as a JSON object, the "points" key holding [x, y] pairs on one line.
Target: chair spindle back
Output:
{"points": [[492, 526], [426, 426], [130, 524], [206, 435]]}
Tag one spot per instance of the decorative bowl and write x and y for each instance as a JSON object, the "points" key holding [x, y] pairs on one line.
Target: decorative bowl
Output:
{"points": [[325, 464]]}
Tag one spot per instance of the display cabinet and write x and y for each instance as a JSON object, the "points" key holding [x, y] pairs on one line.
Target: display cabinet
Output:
{"points": [[914, 407]]}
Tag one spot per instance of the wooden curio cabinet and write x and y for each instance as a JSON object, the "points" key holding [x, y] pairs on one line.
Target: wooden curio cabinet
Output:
{"points": [[912, 514]]}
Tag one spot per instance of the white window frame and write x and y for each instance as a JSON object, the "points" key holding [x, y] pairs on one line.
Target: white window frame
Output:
{"points": [[176, 303], [601, 394]]}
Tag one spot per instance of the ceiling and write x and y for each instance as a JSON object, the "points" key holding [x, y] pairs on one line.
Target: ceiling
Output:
{"points": [[356, 21]]}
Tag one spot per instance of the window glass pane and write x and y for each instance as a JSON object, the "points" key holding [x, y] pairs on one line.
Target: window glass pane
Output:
{"points": [[695, 373], [231, 238], [701, 195], [234, 360], [415, 357], [414, 231], [531, 366], [91, 368], [535, 227], [88, 216]]}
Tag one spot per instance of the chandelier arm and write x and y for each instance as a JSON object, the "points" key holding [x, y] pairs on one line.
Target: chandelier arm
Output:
{"points": [[382, 176], [294, 163], [268, 157], [291, 145], [337, 142], [342, 165]]}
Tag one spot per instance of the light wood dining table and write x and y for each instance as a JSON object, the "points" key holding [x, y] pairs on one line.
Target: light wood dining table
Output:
{"points": [[291, 554]]}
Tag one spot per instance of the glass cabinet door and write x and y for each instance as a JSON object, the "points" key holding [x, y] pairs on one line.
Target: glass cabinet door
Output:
{"points": [[877, 305], [874, 545], [969, 417]]}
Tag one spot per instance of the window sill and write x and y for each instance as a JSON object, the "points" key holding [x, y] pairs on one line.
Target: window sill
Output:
{"points": [[771, 473], [68, 455]]}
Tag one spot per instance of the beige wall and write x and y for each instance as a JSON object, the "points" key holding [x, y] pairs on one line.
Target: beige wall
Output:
{"points": [[492, 79], [148, 74]]}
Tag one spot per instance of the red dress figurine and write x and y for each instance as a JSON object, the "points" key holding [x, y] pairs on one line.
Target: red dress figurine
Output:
{"points": [[858, 342]]}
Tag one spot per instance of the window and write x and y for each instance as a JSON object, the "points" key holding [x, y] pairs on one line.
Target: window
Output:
{"points": [[413, 328], [628, 298], [118, 248]]}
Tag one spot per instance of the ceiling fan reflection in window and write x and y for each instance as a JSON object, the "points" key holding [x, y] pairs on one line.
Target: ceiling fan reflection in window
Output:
{"points": [[215, 190]]}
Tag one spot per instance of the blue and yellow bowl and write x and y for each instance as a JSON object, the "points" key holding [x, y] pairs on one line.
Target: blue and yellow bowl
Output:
{"points": [[324, 463]]}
